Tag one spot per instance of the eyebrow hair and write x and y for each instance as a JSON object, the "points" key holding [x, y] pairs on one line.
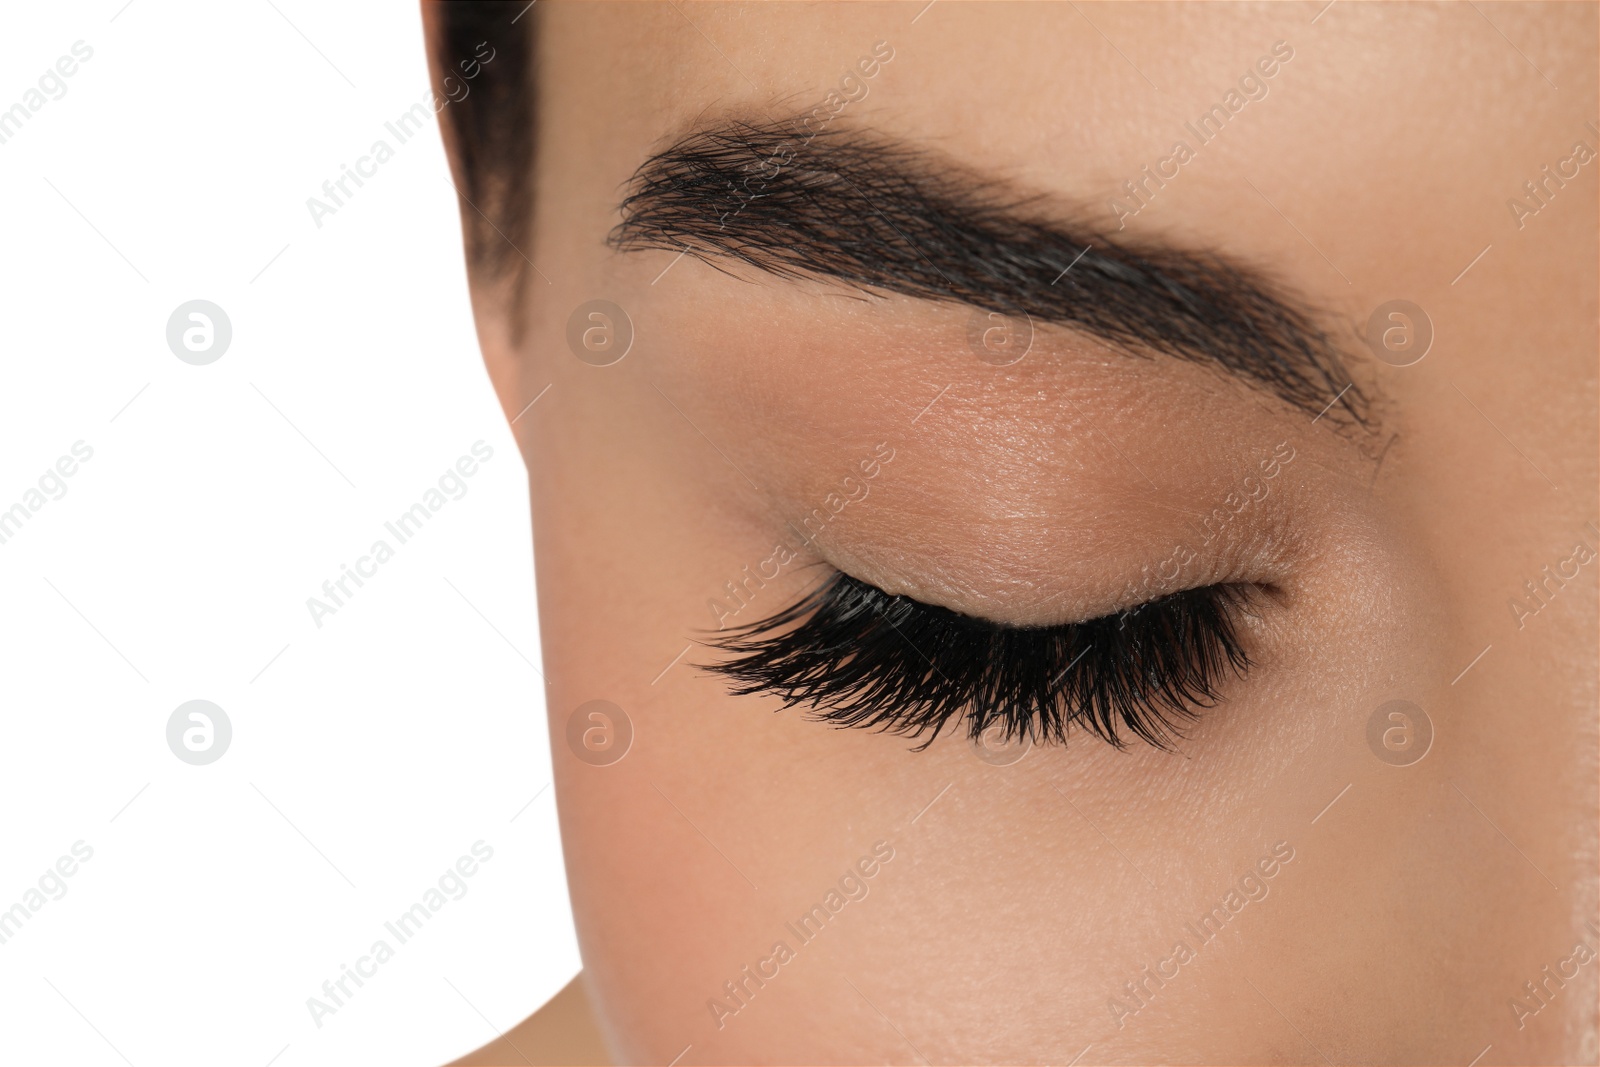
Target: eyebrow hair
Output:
{"points": [[882, 215]]}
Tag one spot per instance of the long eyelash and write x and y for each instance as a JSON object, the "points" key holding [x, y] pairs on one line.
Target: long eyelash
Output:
{"points": [[859, 657]]}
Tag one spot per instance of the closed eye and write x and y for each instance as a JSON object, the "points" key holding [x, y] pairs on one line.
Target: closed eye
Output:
{"points": [[855, 656]]}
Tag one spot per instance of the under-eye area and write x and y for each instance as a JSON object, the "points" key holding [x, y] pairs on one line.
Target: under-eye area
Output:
{"points": [[855, 656]]}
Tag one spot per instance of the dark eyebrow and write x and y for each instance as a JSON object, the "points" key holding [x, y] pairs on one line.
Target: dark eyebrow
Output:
{"points": [[883, 215]]}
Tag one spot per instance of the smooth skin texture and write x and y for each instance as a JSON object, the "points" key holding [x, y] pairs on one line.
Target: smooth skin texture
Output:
{"points": [[1020, 900]]}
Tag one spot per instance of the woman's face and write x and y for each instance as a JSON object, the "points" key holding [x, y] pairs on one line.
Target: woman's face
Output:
{"points": [[1312, 872]]}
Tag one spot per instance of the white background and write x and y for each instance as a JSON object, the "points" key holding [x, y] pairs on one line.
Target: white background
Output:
{"points": [[368, 754]]}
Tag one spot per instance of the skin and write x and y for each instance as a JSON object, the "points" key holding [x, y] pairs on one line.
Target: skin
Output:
{"points": [[1021, 898]]}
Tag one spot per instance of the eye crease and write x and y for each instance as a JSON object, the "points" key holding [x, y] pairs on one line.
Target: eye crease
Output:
{"points": [[857, 657]]}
